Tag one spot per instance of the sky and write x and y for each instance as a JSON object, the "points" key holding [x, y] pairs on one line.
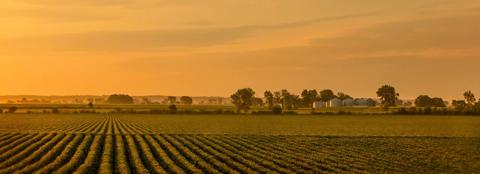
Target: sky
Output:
{"points": [[214, 47]]}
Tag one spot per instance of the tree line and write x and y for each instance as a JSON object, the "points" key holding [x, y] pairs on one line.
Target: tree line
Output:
{"points": [[277, 101], [245, 98]]}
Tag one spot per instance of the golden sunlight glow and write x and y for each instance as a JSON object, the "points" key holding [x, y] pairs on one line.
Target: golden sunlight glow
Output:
{"points": [[212, 47]]}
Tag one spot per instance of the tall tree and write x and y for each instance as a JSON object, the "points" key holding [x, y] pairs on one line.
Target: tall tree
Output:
{"points": [[243, 99], [469, 98], [343, 96], [309, 97], [289, 101], [326, 95], [388, 95], [277, 98], [186, 100], [268, 95]]}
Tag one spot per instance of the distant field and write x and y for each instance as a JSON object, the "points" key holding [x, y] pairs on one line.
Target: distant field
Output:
{"points": [[110, 143]]}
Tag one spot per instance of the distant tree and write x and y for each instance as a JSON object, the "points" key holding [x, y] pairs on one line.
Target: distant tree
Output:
{"points": [[172, 99], [423, 101], [371, 102], [172, 108], [120, 99], [277, 97], [289, 101], [186, 100], [12, 109], [408, 103], [388, 95], [343, 96], [326, 95], [438, 102], [469, 98], [309, 97], [257, 102], [277, 109], [1, 111], [90, 105], [269, 100], [459, 104], [243, 99]]}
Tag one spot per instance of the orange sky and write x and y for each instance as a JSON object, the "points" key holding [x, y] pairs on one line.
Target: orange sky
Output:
{"points": [[213, 47]]}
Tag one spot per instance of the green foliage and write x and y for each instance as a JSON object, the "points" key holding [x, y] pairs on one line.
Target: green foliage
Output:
{"points": [[120, 99]]}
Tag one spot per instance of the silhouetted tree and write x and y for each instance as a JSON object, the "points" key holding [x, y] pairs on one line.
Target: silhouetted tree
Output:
{"points": [[388, 95], [309, 97], [90, 105], [243, 99], [289, 101], [172, 99], [326, 95], [186, 100], [423, 101], [257, 102], [371, 102], [120, 99], [277, 109], [438, 102], [459, 105], [469, 98], [343, 96], [268, 95]]}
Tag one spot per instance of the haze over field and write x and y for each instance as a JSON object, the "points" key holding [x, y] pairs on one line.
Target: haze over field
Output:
{"points": [[213, 47]]}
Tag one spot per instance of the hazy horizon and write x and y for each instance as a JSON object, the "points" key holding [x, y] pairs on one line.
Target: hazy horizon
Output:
{"points": [[214, 47]]}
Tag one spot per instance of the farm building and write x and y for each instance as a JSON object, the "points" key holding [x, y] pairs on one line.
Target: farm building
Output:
{"points": [[361, 102], [336, 103], [348, 102], [319, 104]]}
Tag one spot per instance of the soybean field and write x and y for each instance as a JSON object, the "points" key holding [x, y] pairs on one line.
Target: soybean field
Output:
{"points": [[102, 143]]}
